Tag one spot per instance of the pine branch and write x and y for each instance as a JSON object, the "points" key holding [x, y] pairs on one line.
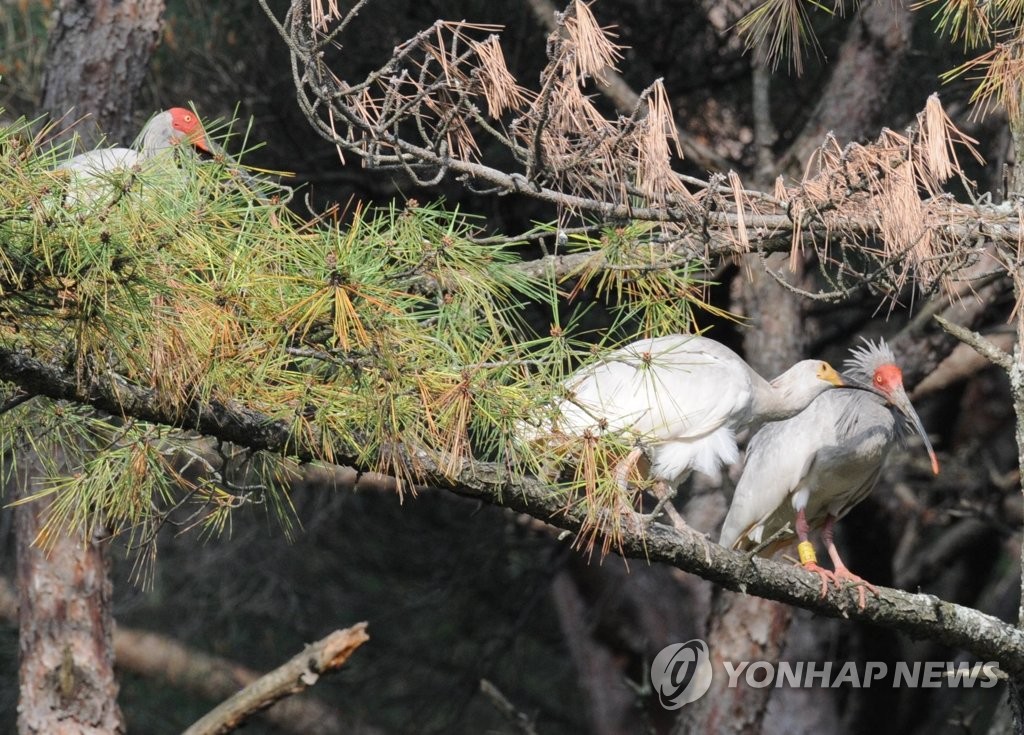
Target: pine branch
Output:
{"points": [[918, 615]]}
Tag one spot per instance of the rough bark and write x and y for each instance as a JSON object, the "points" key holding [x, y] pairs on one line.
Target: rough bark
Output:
{"points": [[96, 61], [1014, 367], [743, 628], [919, 615], [97, 58], [67, 683]]}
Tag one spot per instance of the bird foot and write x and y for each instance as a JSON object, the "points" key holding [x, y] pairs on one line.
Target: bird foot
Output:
{"points": [[841, 578], [844, 575], [664, 505], [826, 576], [664, 494]]}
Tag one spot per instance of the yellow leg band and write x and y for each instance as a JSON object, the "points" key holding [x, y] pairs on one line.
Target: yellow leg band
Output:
{"points": [[805, 549]]}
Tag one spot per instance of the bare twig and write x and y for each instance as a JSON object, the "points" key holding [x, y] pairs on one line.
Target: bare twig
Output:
{"points": [[508, 710], [981, 345], [860, 207], [301, 672]]}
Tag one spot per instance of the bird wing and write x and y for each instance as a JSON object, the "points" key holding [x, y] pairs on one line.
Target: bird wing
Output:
{"points": [[772, 473], [668, 388], [90, 172], [100, 161], [833, 450]]}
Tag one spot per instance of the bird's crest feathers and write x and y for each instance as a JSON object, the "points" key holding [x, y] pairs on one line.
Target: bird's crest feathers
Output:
{"points": [[866, 359]]}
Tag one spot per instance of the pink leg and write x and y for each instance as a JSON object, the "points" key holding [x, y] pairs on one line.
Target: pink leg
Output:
{"points": [[623, 468], [841, 571], [660, 489], [807, 556]]}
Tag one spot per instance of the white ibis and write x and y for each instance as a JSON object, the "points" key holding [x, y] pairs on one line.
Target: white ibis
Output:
{"points": [[683, 397], [811, 469], [164, 130]]}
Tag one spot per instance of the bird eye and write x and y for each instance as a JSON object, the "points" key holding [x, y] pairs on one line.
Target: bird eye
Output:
{"points": [[188, 118], [878, 379]]}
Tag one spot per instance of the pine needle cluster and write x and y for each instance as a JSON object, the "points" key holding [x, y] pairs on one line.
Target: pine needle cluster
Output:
{"points": [[378, 336]]}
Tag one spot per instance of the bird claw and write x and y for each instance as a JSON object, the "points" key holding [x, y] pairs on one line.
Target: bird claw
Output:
{"points": [[863, 586], [825, 575], [841, 578], [665, 495]]}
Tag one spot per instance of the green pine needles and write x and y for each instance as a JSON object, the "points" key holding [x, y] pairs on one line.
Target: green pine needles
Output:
{"points": [[380, 337]]}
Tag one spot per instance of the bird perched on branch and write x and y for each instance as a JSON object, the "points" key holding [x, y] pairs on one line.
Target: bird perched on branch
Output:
{"points": [[811, 469], [165, 130], [684, 397]]}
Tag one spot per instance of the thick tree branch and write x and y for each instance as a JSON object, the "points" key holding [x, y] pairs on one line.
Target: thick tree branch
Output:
{"points": [[918, 615]]}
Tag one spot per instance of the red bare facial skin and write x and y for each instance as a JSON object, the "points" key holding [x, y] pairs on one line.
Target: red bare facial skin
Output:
{"points": [[188, 123], [888, 378]]}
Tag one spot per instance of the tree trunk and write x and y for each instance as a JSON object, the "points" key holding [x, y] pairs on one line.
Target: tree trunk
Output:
{"points": [[65, 627], [743, 628], [746, 628], [97, 58], [96, 61], [1015, 691]]}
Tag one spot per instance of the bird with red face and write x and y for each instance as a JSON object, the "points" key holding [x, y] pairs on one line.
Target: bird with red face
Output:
{"points": [[173, 127], [811, 470]]}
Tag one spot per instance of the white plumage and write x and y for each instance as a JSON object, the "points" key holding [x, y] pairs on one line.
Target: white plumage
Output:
{"points": [[90, 170], [684, 397]]}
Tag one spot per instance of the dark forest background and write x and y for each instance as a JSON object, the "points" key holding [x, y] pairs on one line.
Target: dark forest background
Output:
{"points": [[455, 591]]}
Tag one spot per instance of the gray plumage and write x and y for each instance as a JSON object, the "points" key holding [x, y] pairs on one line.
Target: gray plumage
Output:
{"points": [[829, 457], [825, 459]]}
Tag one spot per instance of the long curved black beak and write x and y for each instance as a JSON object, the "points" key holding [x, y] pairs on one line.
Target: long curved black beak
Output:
{"points": [[849, 382], [901, 401]]}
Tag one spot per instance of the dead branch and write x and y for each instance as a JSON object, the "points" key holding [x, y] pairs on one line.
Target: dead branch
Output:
{"points": [[211, 677], [625, 98], [981, 345], [876, 209], [300, 673]]}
